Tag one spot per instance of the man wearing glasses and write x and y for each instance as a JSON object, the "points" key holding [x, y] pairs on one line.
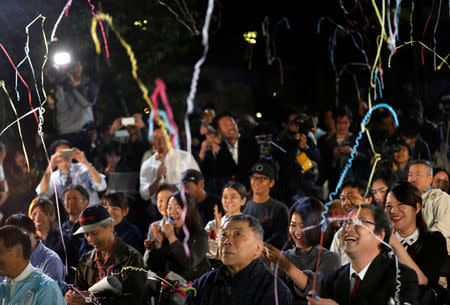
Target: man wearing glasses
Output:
{"points": [[351, 196], [371, 277], [435, 203], [271, 213]]}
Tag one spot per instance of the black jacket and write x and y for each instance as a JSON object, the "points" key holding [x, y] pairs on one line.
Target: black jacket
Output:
{"points": [[377, 287], [172, 257], [254, 285], [222, 168], [133, 281]]}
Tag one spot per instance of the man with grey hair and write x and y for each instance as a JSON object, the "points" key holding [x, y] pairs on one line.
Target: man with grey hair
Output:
{"points": [[243, 278], [107, 260], [24, 284], [435, 202]]}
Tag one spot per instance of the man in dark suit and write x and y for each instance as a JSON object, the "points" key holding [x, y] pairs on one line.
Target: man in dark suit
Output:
{"points": [[235, 157], [371, 278]]}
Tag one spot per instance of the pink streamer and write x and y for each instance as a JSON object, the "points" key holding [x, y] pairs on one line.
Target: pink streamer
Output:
{"points": [[66, 10], [187, 235], [425, 29], [23, 81], [101, 27], [161, 91]]}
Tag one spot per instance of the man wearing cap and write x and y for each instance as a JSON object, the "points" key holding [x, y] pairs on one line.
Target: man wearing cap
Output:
{"points": [[194, 185], [272, 213], [109, 256]]}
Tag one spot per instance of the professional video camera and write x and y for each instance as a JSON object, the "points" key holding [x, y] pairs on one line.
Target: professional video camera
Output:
{"points": [[386, 148], [265, 149], [304, 123]]}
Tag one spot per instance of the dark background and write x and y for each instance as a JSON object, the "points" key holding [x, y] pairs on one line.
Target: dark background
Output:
{"points": [[231, 78]]}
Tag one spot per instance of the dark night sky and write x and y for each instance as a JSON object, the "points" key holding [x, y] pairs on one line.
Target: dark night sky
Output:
{"points": [[308, 76]]}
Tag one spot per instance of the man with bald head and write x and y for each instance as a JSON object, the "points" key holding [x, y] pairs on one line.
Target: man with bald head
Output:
{"points": [[243, 278]]}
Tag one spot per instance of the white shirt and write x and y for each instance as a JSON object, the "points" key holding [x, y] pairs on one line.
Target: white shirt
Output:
{"points": [[234, 150], [409, 240], [436, 212], [360, 274], [22, 276], [176, 162], [338, 248]]}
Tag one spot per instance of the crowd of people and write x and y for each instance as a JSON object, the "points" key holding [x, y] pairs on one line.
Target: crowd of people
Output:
{"points": [[240, 217]]}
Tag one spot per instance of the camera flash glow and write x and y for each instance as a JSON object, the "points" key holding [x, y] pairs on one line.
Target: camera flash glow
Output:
{"points": [[62, 58], [258, 115]]}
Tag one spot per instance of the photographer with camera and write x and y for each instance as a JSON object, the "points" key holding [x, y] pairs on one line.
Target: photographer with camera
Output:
{"points": [[299, 169], [335, 148], [74, 95], [129, 131], [68, 174]]}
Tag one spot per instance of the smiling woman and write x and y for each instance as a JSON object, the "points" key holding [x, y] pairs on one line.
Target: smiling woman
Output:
{"points": [[417, 247], [299, 264], [169, 253]]}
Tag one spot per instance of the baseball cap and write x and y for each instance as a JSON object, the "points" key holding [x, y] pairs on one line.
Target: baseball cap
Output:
{"points": [[92, 217], [191, 175], [263, 168]]}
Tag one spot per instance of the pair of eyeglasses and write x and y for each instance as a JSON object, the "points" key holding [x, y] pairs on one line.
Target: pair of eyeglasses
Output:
{"points": [[355, 222]]}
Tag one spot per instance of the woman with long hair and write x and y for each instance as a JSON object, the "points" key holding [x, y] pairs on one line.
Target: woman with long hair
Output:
{"points": [[167, 252], [234, 196], [416, 247], [298, 265]]}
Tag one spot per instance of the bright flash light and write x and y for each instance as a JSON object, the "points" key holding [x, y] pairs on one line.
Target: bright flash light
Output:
{"points": [[258, 115], [250, 37], [62, 58]]}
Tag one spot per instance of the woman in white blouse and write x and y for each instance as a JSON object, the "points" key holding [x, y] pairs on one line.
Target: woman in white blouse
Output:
{"points": [[234, 197]]}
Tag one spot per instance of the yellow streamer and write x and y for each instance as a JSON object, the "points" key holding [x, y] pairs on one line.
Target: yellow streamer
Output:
{"points": [[134, 66], [44, 93], [426, 47], [153, 274], [2, 84], [381, 19], [445, 58]]}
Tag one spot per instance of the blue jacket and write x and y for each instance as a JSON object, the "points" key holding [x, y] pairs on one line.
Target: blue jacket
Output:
{"points": [[36, 289]]}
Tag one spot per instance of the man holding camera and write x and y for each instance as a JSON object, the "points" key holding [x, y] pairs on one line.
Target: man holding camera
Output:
{"points": [[69, 174], [74, 94]]}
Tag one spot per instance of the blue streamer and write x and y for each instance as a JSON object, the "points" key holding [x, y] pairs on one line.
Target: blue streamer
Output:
{"points": [[352, 156], [163, 115]]}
